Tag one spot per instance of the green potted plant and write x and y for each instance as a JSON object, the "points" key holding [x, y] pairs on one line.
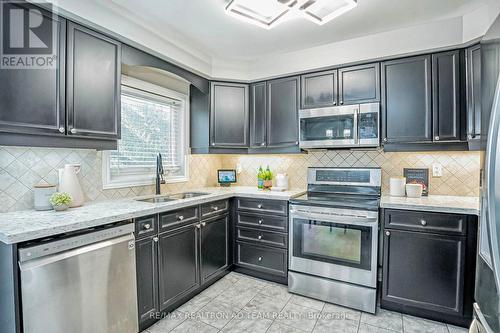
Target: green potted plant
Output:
{"points": [[60, 201], [267, 176]]}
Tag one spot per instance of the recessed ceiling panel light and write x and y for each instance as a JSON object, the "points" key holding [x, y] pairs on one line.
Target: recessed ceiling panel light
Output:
{"points": [[323, 11], [263, 13]]}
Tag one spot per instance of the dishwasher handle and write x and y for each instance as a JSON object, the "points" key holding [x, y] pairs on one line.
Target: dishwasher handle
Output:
{"points": [[75, 242]]}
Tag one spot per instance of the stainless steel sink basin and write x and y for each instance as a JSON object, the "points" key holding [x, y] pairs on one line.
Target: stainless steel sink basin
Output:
{"points": [[187, 195], [173, 197], [157, 199]]}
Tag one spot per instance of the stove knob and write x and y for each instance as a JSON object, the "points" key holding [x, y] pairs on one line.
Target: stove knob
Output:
{"points": [[260, 221], [423, 222], [260, 237]]}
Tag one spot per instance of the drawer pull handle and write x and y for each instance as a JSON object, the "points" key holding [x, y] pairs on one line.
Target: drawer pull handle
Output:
{"points": [[180, 217], [259, 206], [387, 233], [260, 259], [423, 222], [203, 224], [147, 226], [260, 221], [155, 239], [215, 208], [260, 237]]}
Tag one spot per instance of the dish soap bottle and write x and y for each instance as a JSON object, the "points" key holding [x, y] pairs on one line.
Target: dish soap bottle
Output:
{"points": [[260, 178]]}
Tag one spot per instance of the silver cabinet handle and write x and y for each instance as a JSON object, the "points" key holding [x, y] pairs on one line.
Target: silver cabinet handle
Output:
{"points": [[203, 224], [423, 222], [260, 237], [341, 102], [334, 103], [260, 259], [259, 206], [155, 239], [387, 233], [215, 208], [296, 142], [213, 143], [436, 138], [263, 144], [180, 217], [470, 137], [147, 226], [198, 226], [73, 131], [385, 140], [61, 130], [260, 221]]}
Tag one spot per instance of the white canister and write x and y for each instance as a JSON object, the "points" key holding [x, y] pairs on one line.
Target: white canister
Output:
{"points": [[42, 193], [282, 181], [397, 186], [414, 190]]}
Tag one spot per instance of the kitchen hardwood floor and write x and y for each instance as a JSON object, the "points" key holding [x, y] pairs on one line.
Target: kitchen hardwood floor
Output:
{"points": [[239, 303]]}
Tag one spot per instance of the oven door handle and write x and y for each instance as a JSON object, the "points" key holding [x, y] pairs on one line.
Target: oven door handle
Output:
{"points": [[339, 219]]}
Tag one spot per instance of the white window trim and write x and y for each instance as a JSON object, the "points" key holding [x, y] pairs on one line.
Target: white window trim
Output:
{"points": [[149, 179]]}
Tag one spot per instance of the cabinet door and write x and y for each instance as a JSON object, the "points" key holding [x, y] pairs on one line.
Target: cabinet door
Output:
{"points": [[229, 115], [32, 100], [146, 253], [359, 84], [258, 115], [283, 112], [406, 100], [446, 96], [214, 249], [178, 264], [424, 271], [473, 92], [93, 84], [319, 89]]}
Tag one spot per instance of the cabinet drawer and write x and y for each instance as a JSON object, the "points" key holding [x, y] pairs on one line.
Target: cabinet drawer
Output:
{"points": [[425, 221], [264, 206], [146, 226], [275, 223], [262, 237], [269, 260], [177, 218], [214, 208]]}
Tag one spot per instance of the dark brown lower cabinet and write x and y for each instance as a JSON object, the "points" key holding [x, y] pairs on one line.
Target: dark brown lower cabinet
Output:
{"points": [[214, 243], [428, 272], [147, 280], [178, 264]]}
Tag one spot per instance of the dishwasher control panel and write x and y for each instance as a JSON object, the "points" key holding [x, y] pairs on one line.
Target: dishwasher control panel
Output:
{"points": [[73, 242]]}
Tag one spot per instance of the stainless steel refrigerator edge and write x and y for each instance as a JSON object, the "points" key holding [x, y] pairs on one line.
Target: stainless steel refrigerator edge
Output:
{"points": [[487, 294]]}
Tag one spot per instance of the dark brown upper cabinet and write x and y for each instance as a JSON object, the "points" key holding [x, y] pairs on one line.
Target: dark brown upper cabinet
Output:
{"points": [[359, 84], [229, 119], [32, 100], [407, 100], [446, 105], [258, 115], [93, 84], [283, 112], [319, 89], [473, 74]]}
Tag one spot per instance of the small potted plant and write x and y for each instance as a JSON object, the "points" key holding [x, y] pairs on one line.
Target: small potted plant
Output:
{"points": [[267, 176], [60, 201]]}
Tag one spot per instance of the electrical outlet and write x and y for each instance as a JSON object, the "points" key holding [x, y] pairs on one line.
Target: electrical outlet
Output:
{"points": [[437, 170]]}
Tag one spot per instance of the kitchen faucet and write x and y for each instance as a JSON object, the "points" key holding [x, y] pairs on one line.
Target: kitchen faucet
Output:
{"points": [[159, 174]]}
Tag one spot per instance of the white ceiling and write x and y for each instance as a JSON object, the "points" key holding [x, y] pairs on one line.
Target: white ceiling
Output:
{"points": [[204, 26]]}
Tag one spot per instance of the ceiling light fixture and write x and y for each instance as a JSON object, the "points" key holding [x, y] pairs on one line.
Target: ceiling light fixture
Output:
{"points": [[269, 13]]}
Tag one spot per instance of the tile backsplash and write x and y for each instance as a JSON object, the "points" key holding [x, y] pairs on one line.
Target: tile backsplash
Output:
{"points": [[460, 169], [22, 167]]}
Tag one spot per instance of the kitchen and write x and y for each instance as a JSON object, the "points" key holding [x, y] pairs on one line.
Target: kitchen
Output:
{"points": [[249, 166]]}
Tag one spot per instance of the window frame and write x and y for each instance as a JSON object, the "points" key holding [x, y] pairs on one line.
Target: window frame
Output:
{"points": [[134, 179]]}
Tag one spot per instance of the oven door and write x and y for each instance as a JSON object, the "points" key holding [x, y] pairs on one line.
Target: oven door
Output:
{"points": [[329, 127], [338, 244]]}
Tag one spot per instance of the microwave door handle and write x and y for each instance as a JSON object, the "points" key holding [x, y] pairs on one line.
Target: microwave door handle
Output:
{"points": [[356, 127]]}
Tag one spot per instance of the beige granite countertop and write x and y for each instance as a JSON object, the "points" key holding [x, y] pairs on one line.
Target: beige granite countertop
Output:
{"points": [[20, 226], [434, 203]]}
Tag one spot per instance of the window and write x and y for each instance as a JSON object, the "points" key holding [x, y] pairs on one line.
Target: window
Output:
{"points": [[153, 120]]}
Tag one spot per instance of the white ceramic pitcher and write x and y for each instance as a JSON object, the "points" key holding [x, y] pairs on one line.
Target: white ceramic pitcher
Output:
{"points": [[69, 183]]}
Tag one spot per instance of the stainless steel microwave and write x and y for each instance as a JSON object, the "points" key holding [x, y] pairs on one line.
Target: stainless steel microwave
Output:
{"points": [[340, 127]]}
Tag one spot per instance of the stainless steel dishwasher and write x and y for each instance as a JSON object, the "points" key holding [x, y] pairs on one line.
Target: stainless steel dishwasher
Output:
{"points": [[84, 283]]}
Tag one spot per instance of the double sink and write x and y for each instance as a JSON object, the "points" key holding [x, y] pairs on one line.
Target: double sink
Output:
{"points": [[173, 197]]}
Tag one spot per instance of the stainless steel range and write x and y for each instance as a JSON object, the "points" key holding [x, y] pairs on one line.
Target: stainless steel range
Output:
{"points": [[334, 237]]}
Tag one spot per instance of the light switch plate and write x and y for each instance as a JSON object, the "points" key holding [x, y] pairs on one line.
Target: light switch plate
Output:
{"points": [[437, 170]]}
